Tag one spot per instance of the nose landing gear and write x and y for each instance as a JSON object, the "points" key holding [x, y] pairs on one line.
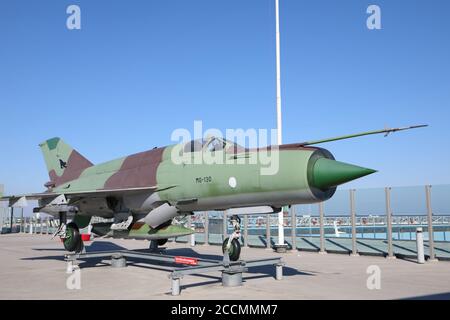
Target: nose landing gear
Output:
{"points": [[231, 245]]}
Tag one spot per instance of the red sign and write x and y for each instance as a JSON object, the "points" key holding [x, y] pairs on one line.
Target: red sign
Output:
{"points": [[86, 237], [186, 260]]}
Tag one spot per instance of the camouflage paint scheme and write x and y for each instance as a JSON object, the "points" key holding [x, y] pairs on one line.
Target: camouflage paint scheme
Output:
{"points": [[142, 182], [147, 190]]}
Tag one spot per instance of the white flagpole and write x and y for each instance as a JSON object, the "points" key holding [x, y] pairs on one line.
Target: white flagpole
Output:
{"points": [[279, 124]]}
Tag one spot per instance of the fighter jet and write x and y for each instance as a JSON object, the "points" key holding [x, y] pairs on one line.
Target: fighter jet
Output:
{"points": [[144, 193]]}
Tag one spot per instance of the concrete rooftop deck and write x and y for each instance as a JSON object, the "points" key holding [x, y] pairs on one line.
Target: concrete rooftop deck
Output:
{"points": [[32, 267]]}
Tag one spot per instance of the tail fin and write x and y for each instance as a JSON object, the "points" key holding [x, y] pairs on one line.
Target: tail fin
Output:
{"points": [[63, 162]]}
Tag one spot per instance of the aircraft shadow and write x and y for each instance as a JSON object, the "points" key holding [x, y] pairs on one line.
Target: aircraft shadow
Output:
{"points": [[262, 272], [57, 258], [103, 246], [438, 296], [94, 246], [251, 273]]}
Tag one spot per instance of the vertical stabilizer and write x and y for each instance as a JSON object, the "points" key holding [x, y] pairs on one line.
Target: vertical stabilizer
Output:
{"points": [[63, 162]]}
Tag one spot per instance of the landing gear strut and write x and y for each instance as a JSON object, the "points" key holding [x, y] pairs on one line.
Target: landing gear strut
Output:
{"points": [[231, 245], [155, 243], [69, 234], [162, 242], [72, 240]]}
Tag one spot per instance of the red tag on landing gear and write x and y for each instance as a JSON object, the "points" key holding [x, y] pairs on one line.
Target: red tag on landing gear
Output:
{"points": [[186, 260]]}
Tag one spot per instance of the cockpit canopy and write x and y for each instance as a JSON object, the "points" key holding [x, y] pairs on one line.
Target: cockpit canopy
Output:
{"points": [[212, 144]]}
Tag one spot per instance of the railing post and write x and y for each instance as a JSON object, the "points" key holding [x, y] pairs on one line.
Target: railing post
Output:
{"points": [[389, 223], [430, 223], [353, 215], [294, 228], [22, 226], [206, 228], [322, 230], [245, 230], [268, 244], [12, 220]]}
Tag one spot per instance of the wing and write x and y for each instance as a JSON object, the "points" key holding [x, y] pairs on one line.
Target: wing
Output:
{"points": [[20, 200]]}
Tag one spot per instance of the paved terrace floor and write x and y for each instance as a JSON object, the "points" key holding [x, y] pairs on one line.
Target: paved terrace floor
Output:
{"points": [[377, 247], [365, 246], [32, 267]]}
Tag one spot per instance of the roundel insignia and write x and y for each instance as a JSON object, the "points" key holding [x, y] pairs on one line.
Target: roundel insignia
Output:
{"points": [[232, 182]]}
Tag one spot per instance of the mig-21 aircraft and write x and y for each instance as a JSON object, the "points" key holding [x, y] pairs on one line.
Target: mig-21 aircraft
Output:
{"points": [[144, 193]]}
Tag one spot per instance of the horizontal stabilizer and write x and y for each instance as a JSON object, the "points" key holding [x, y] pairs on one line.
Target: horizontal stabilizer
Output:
{"points": [[19, 203]]}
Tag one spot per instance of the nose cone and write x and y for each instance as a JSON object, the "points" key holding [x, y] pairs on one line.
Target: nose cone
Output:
{"points": [[329, 173]]}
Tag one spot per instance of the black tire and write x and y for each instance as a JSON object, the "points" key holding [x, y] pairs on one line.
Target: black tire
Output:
{"points": [[235, 249], [73, 242], [161, 242]]}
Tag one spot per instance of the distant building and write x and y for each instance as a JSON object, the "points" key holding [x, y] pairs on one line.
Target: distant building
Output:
{"points": [[2, 191]]}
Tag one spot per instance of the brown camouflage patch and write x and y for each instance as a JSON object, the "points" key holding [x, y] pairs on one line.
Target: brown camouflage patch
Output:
{"points": [[137, 225], [76, 164], [138, 170]]}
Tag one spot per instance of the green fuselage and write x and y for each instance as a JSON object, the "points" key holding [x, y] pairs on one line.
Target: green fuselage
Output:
{"points": [[238, 180], [222, 186], [157, 185]]}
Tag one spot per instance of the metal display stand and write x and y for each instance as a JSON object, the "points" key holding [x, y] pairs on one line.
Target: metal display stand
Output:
{"points": [[231, 270]]}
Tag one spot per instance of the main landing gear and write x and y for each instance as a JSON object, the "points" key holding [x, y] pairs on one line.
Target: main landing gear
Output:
{"points": [[72, 239], [69, 235], [231, 244]]}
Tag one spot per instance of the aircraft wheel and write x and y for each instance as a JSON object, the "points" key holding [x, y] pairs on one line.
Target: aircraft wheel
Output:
{"points": [[72, 241], [235, 249], [162, 242]]}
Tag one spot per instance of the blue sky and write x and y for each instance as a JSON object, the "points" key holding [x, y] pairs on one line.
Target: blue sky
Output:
{"points": [[137, 70]]}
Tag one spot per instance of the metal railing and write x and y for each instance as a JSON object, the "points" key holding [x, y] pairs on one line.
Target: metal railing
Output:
{"points": [[410, 207]]}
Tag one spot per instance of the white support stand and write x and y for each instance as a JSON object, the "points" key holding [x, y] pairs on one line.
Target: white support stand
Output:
{"points": [[232, 278], [176, 286], [279, 271], [419, 245], [193, 240], [118, 261]]}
